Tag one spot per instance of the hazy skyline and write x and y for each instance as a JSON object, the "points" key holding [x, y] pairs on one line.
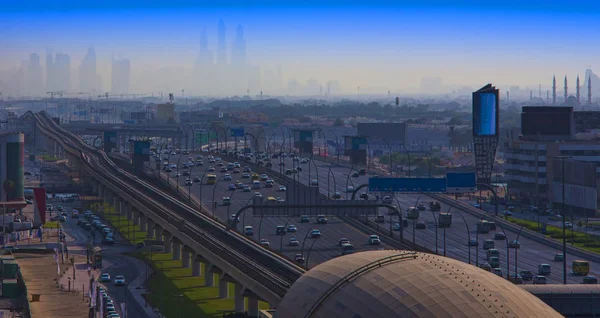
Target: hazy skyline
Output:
{"points": [[367, 44]]}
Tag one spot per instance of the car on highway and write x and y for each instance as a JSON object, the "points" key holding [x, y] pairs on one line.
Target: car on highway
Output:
{"points": [[315, 233], [298, 169], [264, 177], [248, 230], [321, 219], [473, 242], [421, 207], [199, 163], [526, 275], [298, 258], [288, 172], [245, 175], [255, 184], [292, 228], [494, 261], [337, 195], [223, 170], [226, 201], [485, 266], [343, 241], [420, 225], [240, 185], [544, 269], [234, 219], [347, 249], [476, 205], [364, 196], [62, 218], [314, 182], [589, 280], [236, 170], [374, 240], [232, 187], [293, 242], [246, 188], [282, 188], [105, 277], [396, 227], [559, 257], [247, 169], [280, 230], [499, 236], [211, 169], [227, 177], [350, 189], [355, 175], [196, 179], [568, 225], [304, 219], [119, 280], [514, 244], [188, 182], [487, 244], [304, 161], [108, 241], [269, 183], [507, 213], [539, 280], [280, 199], [295, 170], [258, 194], [265, 243], [386, 199]]}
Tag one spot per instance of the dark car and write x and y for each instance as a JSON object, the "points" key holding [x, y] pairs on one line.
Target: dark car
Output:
{"points": [[527, 275], [364, 196], [499, 236], [304, 219], [280, 230], [420, 225]]}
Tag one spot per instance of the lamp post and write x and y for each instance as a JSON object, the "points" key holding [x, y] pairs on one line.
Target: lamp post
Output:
{"points": [[408, 156], [330, 173], [337, 143], [468, 239], [190, 185], [284, 233], [564, 245], [435, 223], [310, 249], [348, 179], [516, 250], [214, 203]]}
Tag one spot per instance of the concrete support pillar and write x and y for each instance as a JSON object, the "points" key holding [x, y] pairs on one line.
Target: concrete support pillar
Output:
{"points": [[124, 208], [158, 233], [117, 204], [168, 241], [239, 297], [100, 191], [130, 213], [142, 223], [176, 250], [185, 261], [209, 279], [136, 216], [196, 267], [253, 306], [223, 289], [150, 229]]}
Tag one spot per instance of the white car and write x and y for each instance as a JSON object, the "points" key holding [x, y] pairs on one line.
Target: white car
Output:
{"points": [[374, 240], [282, 188], [248, 230], [119, 280]]}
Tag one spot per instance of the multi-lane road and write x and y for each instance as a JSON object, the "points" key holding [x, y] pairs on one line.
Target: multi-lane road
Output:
{"points": [[332, 178], [321, 249]]}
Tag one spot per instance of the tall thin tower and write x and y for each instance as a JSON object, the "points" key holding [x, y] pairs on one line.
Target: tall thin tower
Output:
{"points": [[554, 90], [577, 87], [566, 89], [590, 90]]}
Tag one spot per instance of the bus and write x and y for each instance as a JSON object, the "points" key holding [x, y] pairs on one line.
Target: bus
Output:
{"points": [[212, 179]]}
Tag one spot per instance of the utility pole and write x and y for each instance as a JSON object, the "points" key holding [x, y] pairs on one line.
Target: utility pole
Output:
{"points": [[562, 158]]}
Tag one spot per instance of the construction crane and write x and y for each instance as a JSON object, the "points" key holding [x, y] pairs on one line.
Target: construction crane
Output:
{"points": [[108, 94], [55, 93]]}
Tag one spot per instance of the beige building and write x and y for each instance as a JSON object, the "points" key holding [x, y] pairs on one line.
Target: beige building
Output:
{"points": [[165, 113]]}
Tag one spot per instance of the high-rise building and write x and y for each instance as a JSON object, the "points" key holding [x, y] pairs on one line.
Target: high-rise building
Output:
{"points": [[205, 56], [238, 50], [62, 72], [50, 83], [87, 72], [221, 44], [35, 76], [553, 90], [121, 72], [485, 130]]}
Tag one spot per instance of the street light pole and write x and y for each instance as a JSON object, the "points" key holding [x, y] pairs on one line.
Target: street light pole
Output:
{"points": [[564, 245]]}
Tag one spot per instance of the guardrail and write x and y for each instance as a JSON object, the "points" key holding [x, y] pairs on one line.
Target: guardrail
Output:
{"points": [[266, 268], [538, 237]]}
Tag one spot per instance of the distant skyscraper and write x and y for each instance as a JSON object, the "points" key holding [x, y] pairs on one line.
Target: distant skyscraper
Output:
{"points": [[50, 83], [35, 76], [553, 90], [121, 72], [566, 89], [205, 56], [62, 72], [238, 50], [589, 90], [222, 44], [87, 72], [577, 87]]}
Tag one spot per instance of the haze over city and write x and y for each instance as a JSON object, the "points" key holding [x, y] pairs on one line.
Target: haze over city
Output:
{"points": [[297, 49]]}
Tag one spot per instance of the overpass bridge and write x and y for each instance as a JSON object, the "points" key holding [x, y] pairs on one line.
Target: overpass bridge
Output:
{"points": [[198, 240], [153, 130]]}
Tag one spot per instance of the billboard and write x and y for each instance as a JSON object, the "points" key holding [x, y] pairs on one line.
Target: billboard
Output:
{"points": [[110, 140], [547, 121], [383, 131], [407, 185], [355, 142], [461, 182], [201, 137], [485, 111], [303, 141], [237, 132]]}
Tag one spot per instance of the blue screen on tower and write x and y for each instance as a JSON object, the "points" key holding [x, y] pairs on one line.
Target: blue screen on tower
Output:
{"points": [[487, 115]]}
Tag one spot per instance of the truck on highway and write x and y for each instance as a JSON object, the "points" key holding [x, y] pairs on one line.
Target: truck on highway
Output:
{"points": [[484, 226], [435, 206], [413, 213], [445, 220]]}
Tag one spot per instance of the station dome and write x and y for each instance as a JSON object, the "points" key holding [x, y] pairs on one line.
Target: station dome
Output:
{"points": [[395, 283]]}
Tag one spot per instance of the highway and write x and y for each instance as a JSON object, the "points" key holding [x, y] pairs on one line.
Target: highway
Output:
{"points": [[530, 255], [324, 248]]}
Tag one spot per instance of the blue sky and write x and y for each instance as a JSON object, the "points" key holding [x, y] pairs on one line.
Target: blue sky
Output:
{"points": [[365, 42]]}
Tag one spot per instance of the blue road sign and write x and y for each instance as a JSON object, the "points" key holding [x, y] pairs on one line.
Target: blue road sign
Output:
{"points": [[461, 182], [410, 185], [237, 132]]}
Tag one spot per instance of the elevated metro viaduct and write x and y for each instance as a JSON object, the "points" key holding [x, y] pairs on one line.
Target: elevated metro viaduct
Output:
{"points": [[256, 273]]}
